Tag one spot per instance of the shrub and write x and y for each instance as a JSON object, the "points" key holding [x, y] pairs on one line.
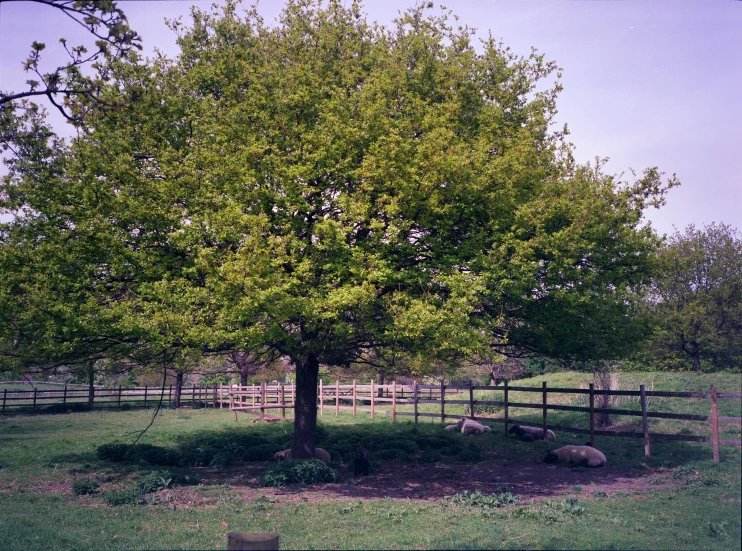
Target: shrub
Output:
{"points": [[431, 456], [471, 453], [139, 453], [311, 471], [85, 486]]}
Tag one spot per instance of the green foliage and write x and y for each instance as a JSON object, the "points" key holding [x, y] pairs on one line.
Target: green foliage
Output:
{"points": [[392, 454], [472, 453], [696, 301], [477, 499], [85, 486], [311, 471]]}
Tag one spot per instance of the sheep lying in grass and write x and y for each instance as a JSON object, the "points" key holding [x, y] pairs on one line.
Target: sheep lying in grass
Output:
{"points": [[470, 426], [536, 432], [319, 453], [361, 462], [455, 427], [585, 456]]}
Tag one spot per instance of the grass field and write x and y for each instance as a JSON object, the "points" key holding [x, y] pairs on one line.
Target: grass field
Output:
{"points": [[678, 499]]}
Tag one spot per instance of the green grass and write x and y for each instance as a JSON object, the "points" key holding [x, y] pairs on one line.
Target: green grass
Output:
{"points": [[42, 456]]}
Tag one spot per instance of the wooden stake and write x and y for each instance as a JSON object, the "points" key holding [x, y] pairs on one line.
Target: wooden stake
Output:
{"points": [[145, 395], [337, 397], [372, 399], [645, 421], [543, 386], [714, 423], [119, 402], [506, 407], [592, 414], [354, 398], [64, 397], [241, 541], [415, 400], [443, 403], [471, 400], [5, 396], [283, 401], [262, 402], [394, 402]]}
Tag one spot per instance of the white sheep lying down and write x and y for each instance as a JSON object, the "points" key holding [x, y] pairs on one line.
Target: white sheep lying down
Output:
{"points": [[470, 426], [319, 453], [586, 456], [536, 432]]}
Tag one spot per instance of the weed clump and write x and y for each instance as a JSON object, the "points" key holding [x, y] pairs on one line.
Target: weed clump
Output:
{"points": [[85, 486], [311, 471]]}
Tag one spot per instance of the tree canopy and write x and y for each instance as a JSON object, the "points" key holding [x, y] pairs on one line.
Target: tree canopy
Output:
{"points": [[696, 299], [324, 188]]}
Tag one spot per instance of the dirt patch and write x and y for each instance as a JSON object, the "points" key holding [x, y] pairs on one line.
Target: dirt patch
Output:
{"points": [[530, 480]]}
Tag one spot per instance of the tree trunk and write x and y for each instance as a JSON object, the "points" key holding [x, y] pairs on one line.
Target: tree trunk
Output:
{"points": [[305, 412], [697, 362], [380, 393], [243, 376], [178, 388]]}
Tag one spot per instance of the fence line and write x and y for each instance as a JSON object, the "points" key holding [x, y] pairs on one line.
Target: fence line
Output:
{"points": [[264, 398]]}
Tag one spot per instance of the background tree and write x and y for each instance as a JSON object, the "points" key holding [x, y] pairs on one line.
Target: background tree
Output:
{"points": [[696, 299]]}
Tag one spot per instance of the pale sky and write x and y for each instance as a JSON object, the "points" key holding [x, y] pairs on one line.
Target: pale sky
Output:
{"points": [[646, 82]]}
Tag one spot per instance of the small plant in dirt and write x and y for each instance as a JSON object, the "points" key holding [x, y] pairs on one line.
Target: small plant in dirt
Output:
{"points": [[142, 491], [480, 500], [85, 486], [312, 471]]}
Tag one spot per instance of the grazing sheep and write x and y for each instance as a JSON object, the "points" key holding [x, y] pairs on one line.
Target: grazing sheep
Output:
{"points": [[319, 453], [469, 426], [361, 463], [536, 432], [586, 456]]}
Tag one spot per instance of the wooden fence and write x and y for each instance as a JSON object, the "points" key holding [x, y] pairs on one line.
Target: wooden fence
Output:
{"points": [[364, 398], [377, 399], [146, 396]]}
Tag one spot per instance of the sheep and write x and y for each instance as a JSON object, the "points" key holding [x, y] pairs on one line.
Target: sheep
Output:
{"points": [[319, 453], [453, 427], [586, 456], [361, 463], [469, 426], [536, 432]]}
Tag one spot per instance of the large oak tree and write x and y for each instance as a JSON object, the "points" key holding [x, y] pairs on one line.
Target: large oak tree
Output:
{"points": [[324, 188]]}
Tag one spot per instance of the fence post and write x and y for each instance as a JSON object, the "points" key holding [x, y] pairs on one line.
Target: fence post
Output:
{"points": [[283, 400], [231, 405], [337, 397], [119, 400], [214, 401], [394, 402], [506, 407], [471, 400], [543, 386], [592, 414], [5, 396], [35, 390], [170, 394], [372, 399], [715, 423], [443, 403], [64, 396], [645, 422], [354, 397], [415, 400], [262, 402], [145, 395]]}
